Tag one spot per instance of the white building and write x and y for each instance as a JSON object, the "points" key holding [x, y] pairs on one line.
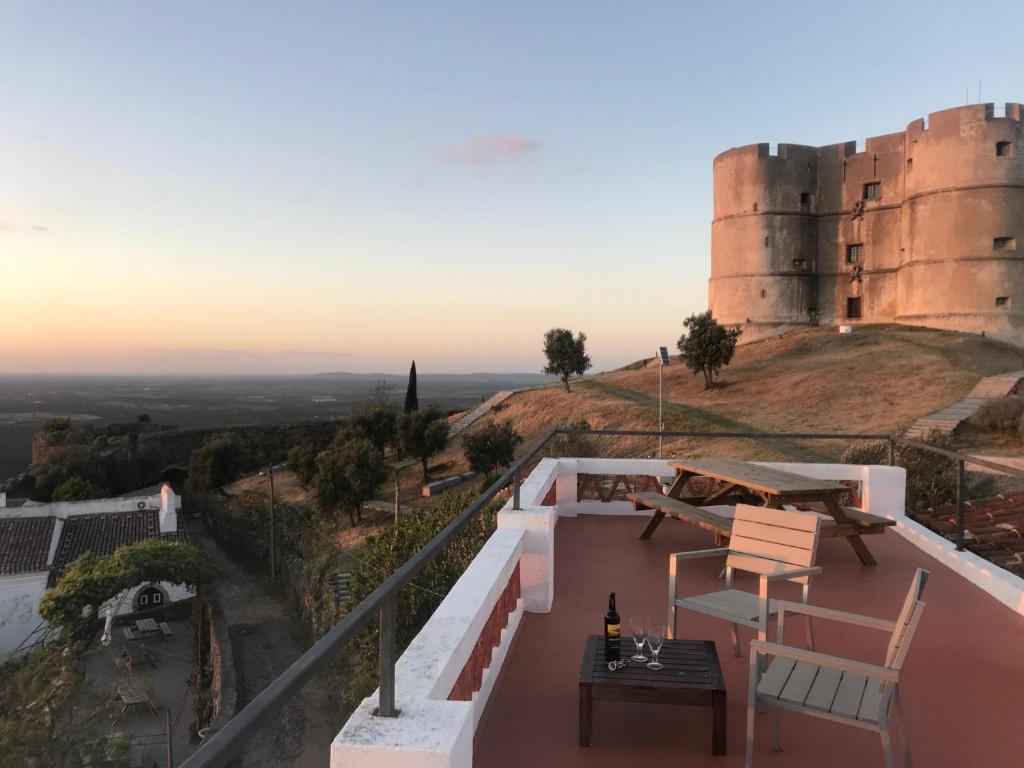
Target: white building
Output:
{"points": [[39, 541]]}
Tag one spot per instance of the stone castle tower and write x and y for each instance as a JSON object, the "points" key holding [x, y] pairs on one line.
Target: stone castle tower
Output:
{"points": [[924, 227]]}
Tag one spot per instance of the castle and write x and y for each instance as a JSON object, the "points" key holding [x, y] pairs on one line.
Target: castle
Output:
{"points": [[918, 227]]}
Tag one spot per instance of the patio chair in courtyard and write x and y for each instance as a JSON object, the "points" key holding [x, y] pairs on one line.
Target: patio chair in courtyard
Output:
{"points": [[846, 691], [775, 544]]}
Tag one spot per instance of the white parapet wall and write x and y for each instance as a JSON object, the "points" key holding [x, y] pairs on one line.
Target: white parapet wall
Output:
{"points": [[431, 731]]}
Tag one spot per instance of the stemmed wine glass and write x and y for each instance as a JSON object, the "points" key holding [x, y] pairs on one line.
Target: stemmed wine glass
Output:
{"points": [[639, 629], [655, 638]]}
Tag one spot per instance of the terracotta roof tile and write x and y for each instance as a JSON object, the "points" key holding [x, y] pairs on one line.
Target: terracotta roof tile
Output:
{"points": [[993, 528], [24, 544]]}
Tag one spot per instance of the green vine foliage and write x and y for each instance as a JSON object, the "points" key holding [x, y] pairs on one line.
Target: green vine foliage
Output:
{"points": [[386, 551], [91, 581]]}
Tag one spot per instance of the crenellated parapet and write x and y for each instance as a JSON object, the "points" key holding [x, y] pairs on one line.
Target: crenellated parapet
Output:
{"points": [[876, 230]]}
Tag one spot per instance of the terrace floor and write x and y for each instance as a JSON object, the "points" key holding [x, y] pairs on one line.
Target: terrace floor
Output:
{"points": [[962, 685]]}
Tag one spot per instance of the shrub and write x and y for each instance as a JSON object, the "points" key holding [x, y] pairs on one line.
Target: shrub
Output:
{"points": [[388, 550], [1002, 415], [931, 477], [77, 488], [491, 447]]}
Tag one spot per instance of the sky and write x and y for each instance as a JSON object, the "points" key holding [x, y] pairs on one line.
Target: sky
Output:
{"points": [[246, 187]]}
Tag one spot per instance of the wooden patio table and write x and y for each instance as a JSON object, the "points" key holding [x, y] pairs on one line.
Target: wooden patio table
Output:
{"points": [[774, 487], [691, 676]]}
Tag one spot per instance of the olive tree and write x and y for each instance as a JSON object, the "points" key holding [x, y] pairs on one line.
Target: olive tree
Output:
{"points": [[707, 346], [349, 474], [567, 356]]}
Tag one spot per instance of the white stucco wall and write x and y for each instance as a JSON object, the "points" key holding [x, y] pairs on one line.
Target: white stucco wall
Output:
{"points": [[432, 732], [19, 608]]}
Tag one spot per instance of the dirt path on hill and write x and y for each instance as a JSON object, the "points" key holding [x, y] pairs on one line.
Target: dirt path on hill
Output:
{"points": [[713, 421], [266, 637]]}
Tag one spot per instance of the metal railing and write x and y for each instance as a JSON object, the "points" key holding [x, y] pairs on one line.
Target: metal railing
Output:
{"points": [[961, 459], [229, 741]]}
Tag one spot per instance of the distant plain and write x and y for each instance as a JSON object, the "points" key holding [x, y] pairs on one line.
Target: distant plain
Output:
{"points": [[26, 402]]}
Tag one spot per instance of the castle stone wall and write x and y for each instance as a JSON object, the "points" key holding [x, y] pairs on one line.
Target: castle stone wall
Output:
{"points": [[940, 244]]}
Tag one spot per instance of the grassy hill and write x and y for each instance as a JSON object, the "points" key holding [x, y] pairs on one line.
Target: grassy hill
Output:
{"points": [[880, 379]]}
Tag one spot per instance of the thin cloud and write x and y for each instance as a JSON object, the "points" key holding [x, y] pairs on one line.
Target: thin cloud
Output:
{"points": [[489, 150]]}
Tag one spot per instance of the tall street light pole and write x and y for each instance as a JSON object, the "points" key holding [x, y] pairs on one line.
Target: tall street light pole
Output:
{"points": [[273, 545], [662, 362]]}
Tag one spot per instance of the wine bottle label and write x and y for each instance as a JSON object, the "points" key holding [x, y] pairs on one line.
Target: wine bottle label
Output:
{"points": [[613, 630]]}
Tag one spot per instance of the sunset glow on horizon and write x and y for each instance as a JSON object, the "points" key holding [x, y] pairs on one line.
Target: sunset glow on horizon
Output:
{"points": [[238, 188]]}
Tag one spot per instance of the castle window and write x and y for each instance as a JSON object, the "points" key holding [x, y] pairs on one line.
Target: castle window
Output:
{"points": [[799, 263], [766, 241], [910, 164], [1004, 244], [755, 207], [763, 294], [873, 190], [855, 253], [805, 202], [1003, 302], [1004, 149], [853, 308]]}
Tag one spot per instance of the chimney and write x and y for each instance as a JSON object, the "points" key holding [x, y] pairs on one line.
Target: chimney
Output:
{"points": [[169, 506]]}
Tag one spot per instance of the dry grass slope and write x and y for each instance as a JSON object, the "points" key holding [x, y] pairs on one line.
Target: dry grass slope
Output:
{"points": [[880, 379]]}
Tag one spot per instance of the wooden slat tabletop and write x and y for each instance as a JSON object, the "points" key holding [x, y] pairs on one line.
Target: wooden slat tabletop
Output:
{"points": [[691, 664], [756, 477]]}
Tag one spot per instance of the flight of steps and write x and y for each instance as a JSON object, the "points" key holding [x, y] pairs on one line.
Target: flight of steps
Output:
{"points": [[948, 419], [479, 412]]}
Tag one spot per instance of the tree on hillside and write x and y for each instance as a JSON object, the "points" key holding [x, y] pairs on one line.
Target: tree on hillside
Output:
{"points": [[216, 463], [707, 346], [491, 447], [77, 488], [567, 356], [412, 400], [422, 434], [302, 461], [373, 420], [348, 474]]}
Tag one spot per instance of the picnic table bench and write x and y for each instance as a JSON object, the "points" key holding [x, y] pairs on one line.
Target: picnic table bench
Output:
{"points": [[773, 487]]}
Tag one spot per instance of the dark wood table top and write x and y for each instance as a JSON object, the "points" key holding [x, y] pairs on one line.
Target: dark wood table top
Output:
{"points": [[689, 664], [756, 477]]}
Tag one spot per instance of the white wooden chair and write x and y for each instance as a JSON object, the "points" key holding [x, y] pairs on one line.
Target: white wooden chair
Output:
{"points": [[833, 688], [776, 544]]}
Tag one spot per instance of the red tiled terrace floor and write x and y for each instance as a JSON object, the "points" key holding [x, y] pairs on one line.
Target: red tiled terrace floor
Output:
{"points": [[962, 685]]}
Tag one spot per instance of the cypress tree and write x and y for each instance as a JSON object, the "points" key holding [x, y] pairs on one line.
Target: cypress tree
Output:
{"points": [[412, 401]]}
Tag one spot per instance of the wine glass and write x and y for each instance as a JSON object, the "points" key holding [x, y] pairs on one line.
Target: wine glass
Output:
{"points": [[655, 637], [639, 629]]}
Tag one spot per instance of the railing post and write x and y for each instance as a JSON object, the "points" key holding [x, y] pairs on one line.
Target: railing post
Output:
{"points": [[892, 452], [386, 707], [960, 504], [515, 491]]}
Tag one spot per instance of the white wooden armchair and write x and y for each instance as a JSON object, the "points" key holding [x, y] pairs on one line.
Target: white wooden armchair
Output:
{"points": [[776, 544], [852, 692]]}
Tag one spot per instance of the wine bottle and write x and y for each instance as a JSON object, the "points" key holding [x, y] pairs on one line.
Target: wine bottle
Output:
{"points": [[612, 631]]}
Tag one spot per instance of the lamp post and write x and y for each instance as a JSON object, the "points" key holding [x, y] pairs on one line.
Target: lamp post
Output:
{"points": [[662, 362]]}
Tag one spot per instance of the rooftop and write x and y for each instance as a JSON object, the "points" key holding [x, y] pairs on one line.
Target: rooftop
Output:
{"points": [[102, 533], [993, 528], [961, 684], [25, 544]]}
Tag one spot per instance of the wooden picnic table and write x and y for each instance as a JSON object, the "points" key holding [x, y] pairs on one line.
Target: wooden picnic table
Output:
{"points": [[773, 487], [147, 627]]}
